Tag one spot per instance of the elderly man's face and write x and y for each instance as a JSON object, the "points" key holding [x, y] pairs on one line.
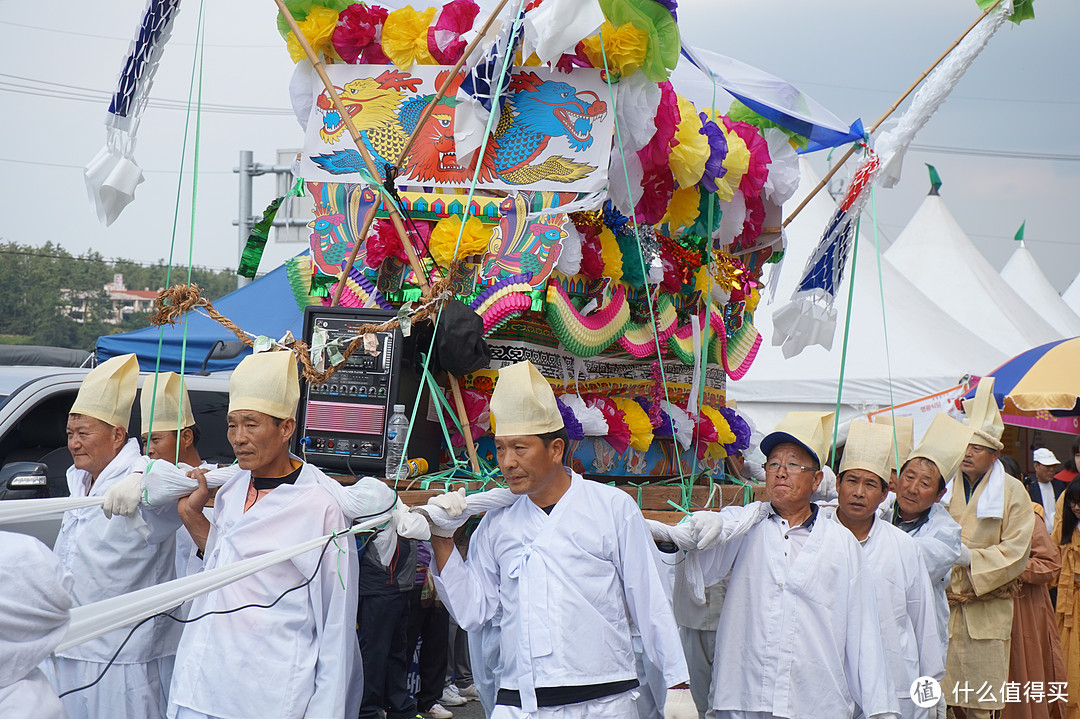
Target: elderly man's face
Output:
{"points": [[1045, 472], [918, 487], [790, 477], [978, 460], [859, 493], [257, 439], [526, 464], [92, 443]]}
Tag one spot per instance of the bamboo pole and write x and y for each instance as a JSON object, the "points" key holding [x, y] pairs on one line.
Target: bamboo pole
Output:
{"points": [[395, 217], [883, 118], [430, 107], [463, 417]]}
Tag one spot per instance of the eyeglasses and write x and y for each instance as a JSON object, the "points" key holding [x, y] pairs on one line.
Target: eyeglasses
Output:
{"points": [[791, 467]]}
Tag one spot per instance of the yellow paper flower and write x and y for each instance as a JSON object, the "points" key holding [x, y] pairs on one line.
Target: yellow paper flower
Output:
{"points": [[317, 27], [702, 280], [404, 37], [474, 240], [689, 156], [752, 300], [637, 419], [724, 434], [736, 162], [611, 255], [683, 208], [624, 47]]}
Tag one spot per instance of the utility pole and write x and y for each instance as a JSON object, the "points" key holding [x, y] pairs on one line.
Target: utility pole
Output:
{"points": [[247, 170]]}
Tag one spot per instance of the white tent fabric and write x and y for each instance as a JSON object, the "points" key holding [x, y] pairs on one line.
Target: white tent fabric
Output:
{"points": [[1071, 295], [935, 254], [930, 351], [1023, 273]]}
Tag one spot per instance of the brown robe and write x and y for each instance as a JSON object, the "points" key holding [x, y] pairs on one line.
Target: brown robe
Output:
{"points": [[1035, 653], [1068, 608]]}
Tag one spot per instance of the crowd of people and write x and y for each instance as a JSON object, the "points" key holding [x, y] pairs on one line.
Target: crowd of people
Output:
{"points": [[914, 581]]}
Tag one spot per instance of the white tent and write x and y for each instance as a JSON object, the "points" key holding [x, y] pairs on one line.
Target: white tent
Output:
{"points": [[935, 254], [1023, 273], [930, 351], [1071, 295]]}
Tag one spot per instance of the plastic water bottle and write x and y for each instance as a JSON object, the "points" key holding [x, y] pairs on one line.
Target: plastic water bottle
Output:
{"points": [[396, 430]]}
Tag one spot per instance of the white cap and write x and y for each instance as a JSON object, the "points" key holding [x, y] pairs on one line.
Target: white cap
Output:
{"points": [[523, 402], [171, 404], [108, 391], [266, 382], [1045, 457]]}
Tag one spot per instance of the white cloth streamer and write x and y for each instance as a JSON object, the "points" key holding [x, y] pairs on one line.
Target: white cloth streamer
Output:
{"points": [[93, 620]]}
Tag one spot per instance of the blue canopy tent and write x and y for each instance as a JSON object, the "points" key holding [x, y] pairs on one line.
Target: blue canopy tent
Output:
{"points": [[264, 307]]}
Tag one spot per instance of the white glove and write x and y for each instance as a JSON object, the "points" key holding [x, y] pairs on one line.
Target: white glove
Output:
{"points": [[409, 525], [679, 704], [453, 503], [707, 528], [123, 497], [965, 556]]}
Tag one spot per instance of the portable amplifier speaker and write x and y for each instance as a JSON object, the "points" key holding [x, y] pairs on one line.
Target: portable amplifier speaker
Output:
{"points": [[342, 422]]}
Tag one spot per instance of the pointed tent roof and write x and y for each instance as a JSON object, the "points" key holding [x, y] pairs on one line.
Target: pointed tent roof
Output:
{"points": [[935, 254], [1071, 295], [930, 351], [1023, 274]]}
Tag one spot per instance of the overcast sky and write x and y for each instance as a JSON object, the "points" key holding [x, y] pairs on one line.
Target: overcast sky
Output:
{"points": [[1006, 143]]}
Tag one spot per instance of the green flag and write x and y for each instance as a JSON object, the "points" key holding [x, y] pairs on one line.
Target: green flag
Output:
{"points": [[1020, 233], [935, 179]]}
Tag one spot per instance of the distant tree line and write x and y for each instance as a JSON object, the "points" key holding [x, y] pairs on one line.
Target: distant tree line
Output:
{"points": [[35, 283]]}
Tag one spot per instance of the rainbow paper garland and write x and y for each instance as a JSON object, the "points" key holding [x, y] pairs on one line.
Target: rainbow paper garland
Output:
{"points": [[586, 336], [358, 291], [640, 340], [504, 309], [737, 353]]}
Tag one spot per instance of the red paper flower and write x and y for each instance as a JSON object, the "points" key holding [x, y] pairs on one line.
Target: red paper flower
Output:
{"points": [[444, 37], [758, 171], [383, 242], [356, 36]]}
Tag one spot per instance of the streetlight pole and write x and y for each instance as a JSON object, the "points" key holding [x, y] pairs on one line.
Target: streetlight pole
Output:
{"points": [[247, 170]]}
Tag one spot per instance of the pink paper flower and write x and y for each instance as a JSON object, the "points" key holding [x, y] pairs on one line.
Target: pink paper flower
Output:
{"points": [[357, 34], [444, 37], [754, 179]]}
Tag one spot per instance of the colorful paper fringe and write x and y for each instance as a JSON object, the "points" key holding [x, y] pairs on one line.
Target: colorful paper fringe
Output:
{"points": [[586, 336]]}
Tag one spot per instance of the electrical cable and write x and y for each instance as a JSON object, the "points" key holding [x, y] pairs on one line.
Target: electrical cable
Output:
{"points": [[189, 620]]}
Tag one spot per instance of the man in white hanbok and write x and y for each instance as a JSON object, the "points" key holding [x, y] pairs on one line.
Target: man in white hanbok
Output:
{"points": [[109, 556], [918, 511], [35, 605], [568, 564], [169, 432], [909, 625], [798, 633], [297, 654]]}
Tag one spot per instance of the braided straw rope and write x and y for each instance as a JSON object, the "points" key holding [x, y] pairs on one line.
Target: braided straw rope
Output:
{"points": [[1005, 591], [173, 302]]}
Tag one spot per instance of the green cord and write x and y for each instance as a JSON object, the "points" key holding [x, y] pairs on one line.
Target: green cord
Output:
{"points": [[847, 330], [683, 481]]}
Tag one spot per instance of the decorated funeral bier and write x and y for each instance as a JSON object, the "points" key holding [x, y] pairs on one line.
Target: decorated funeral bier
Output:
{"points": [[537, 165]]}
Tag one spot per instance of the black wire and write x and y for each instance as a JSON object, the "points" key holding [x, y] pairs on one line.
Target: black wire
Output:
{"points": [[189, 620]]}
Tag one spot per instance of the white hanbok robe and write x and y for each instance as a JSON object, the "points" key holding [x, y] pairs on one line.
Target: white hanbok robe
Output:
{"points": [[299, 658], [938, 540], [906, 610], [109, 557], [35, 604], [801, 640], [569, 585]]}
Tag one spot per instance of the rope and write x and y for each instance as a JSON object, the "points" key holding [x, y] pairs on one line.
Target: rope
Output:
{"points": [[1006, 591]]}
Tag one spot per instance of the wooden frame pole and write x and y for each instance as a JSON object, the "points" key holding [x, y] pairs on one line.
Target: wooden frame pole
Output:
{"points": [[883, 118]]}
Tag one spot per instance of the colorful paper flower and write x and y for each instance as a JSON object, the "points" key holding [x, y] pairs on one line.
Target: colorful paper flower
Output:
{"points": [[637, 420], [405, 37], [383, 242], [300, 9], [477, 409], [444, 37], [724, 435], [317, 27], [657, 151], [624, 48], [574, 429], [684, 426], [358, 31], [739, 428], [682, 211], [568, 62], [618, 435], [591, 419], [714, 165], [691, 149], [757, 170], [658, 25], [736, 162], [592, 259], [611, 254], [444, 238]]}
